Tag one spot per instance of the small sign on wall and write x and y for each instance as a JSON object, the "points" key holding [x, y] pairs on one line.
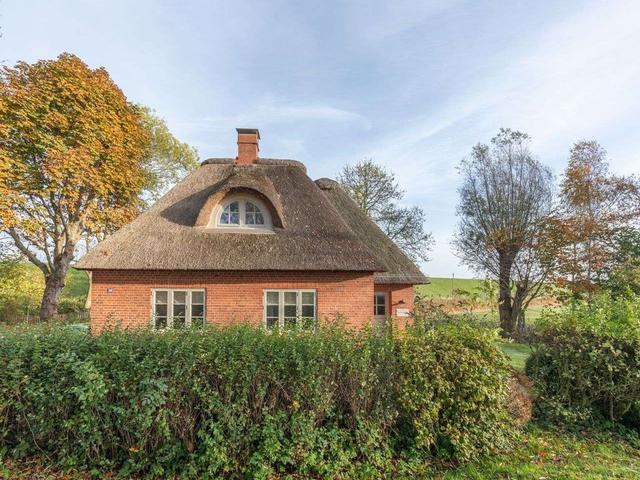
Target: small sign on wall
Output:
{"points": [[402, 312], [109, 290]]}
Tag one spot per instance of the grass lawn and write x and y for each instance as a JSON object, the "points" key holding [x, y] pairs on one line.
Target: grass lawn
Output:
{"points": [[550, 454], [517, 353]]}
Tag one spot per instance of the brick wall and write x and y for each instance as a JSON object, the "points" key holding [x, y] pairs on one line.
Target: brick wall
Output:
{"points": [[399, 296], [124, 297]]}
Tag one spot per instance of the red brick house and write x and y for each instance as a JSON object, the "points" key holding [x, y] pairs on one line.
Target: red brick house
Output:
{"points": [[249, 239]]}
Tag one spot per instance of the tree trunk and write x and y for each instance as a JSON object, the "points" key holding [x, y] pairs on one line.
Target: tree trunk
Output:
{"points": [[517, 310], [507, 322], [54, 283]]}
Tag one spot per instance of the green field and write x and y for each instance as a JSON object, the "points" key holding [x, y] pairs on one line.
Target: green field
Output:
{"points": [[445, 287], [76, 285]]}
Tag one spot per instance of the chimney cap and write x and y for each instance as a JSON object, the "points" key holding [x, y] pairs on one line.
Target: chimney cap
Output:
{"points": [[248, 130]]}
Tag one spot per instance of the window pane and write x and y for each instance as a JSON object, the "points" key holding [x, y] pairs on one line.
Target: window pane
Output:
{"points": [[250, 207], [179, 310], [290, 298], [197, 311], [161, 298], [259, 219], [161, 322], [249, 219], [197, 297], [272, 311], [161, 310], [308, 298], [290, 311], [179, 297], [380, 304], [231, 214], [308, 311], [273, 297]]}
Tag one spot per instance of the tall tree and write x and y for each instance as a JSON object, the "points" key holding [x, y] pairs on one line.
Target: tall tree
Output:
{"points": [[623, 275], [168, 159], [73, 153], [595, 207], [505, 198], [376, 191]]}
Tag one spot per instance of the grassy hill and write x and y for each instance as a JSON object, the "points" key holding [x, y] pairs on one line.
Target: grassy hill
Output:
{"points": [[444, 287]]}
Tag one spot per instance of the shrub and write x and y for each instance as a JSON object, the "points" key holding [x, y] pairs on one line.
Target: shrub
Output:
{"points": [[238, 402], [587, 360]]}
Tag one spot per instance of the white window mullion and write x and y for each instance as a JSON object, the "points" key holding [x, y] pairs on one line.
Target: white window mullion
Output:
{"points": [[187, 309], [281, 309]]}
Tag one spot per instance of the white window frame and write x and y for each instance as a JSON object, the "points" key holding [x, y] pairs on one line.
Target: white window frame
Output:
{"points": [[281, 292], [242, 210], [375, 304], [188, 314]]}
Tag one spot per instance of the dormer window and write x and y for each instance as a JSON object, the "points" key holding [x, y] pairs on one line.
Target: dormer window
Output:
{"points": [[241, 211], [231, 214]]}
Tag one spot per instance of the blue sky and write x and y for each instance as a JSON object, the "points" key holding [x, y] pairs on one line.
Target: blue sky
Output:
{"points": [[412, 84]]}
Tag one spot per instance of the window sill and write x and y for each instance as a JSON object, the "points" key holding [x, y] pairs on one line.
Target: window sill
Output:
{"points": [[255, 231]]}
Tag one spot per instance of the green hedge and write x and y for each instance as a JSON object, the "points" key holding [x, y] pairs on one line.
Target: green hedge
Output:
{"points": [[586, 362], [238, 402]]}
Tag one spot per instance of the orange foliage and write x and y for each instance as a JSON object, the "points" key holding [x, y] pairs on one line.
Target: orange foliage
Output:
{"points": [[71, 150], [594, 206]]}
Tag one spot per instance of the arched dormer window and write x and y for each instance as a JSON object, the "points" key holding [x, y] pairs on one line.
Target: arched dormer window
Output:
{"points": [[241, 211]]}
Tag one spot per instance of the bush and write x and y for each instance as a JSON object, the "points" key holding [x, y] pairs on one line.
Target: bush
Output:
{"points": [[239, 402], [587, 361]]}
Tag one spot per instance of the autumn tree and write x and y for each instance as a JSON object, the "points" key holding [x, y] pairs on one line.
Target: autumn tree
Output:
{"points": [[505, 198], [595, 208], [377, 192], [167, 160], [73, 151]]}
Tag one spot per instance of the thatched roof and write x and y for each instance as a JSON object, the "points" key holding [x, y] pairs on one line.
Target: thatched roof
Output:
{"points": [[398, 268], [313, 228]]}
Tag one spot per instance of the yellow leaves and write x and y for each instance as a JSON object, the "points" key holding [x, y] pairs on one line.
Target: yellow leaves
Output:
{"points": [[69, 130]]}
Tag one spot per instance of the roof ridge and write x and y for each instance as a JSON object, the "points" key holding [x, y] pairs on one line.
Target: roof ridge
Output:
{"points": [[278, 162]]}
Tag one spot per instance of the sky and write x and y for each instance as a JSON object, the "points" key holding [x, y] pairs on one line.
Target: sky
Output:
{"points": [[412, 84]]}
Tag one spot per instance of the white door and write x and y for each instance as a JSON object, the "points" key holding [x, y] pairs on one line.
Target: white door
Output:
{"points": [[380, 307]]}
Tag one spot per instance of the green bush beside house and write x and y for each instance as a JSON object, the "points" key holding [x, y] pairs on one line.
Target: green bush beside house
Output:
{"points": [[586, 362], [238, 402]]}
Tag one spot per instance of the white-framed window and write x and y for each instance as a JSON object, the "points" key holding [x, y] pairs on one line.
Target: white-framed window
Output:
{"points": [[289, 309], [241, 211], [177, 308], [380, 304]]}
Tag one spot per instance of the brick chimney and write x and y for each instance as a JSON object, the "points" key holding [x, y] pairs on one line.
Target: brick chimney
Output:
{"points": [[247, 145]]}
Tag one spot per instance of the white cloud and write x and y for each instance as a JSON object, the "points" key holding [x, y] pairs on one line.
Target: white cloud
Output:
{"points": [[277, 113]]}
